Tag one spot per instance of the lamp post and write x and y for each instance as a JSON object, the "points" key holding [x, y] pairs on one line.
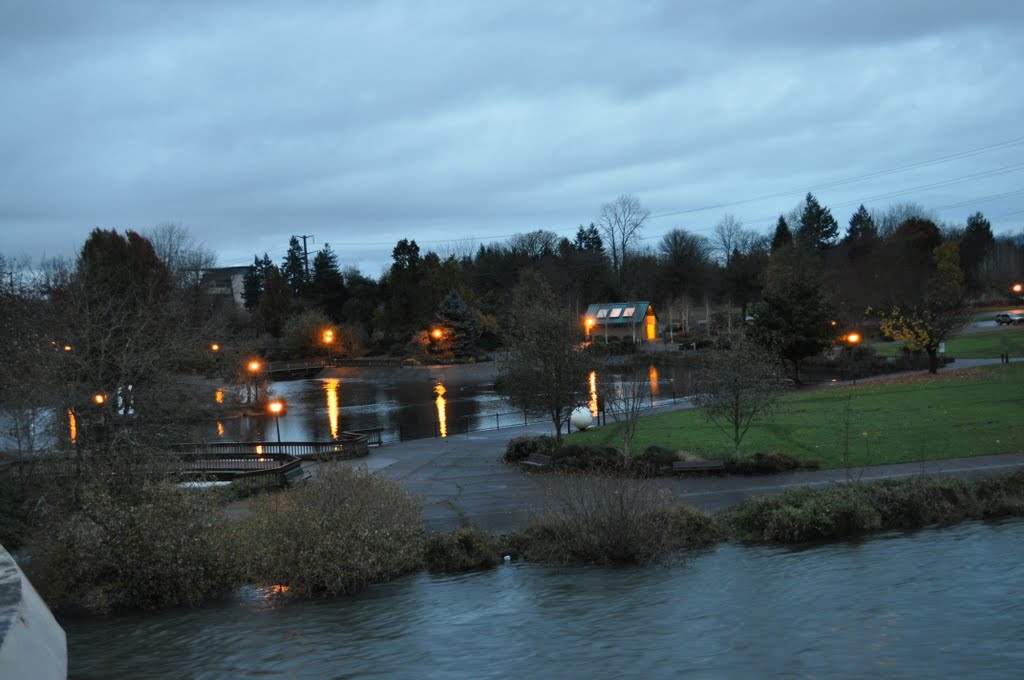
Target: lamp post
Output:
{"points": [[852, 340], [254, 368], [589, 323], [276, 408]]}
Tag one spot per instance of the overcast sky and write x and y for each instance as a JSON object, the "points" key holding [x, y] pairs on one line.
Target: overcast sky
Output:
{"points": [[454, 123]]}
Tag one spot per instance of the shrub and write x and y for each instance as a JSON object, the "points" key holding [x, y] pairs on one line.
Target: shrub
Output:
{"points": [[806, 514], [611, 521], [521, 448], [770, 463], [157, 546], [464, 549], [334, 534]]}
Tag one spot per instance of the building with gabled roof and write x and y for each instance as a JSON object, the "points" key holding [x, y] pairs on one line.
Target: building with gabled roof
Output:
{"points": [[634, 321]]}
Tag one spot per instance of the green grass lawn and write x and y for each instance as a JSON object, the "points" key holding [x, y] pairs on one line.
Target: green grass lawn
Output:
{"points": [[964, 413], [981, 345]]}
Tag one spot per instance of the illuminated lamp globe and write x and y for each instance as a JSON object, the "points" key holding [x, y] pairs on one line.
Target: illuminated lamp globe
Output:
{"points": [[581, 418]]}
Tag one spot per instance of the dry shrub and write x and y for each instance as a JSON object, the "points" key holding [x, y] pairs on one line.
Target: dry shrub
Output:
{"points": [[153, 546], [612, 521], [464, 549], [335, 534]]}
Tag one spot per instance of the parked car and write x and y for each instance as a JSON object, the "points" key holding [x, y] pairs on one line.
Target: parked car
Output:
{"points": [[1007, 318]]}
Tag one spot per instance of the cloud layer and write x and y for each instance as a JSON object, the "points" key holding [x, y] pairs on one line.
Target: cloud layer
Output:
{"points": [[363, 123]]}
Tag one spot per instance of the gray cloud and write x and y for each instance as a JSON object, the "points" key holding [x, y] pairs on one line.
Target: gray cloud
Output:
{"points": [[367, 122]]}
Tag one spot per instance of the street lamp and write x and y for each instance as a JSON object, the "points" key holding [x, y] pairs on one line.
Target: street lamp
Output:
{"points": [[852, 339], [276, 408], [1017, 288], [328, 336], [589, 323], [214, 347], [99, 399], [437, 333]]}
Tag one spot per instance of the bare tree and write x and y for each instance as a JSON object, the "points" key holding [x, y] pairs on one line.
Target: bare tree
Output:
{"points": [[735, 386], [631, 396], [620, 222], [185, 259], [727, 236], [544, 369]]}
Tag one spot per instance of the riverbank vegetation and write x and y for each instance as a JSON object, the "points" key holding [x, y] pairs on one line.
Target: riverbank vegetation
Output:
{"points": [[157, 546], [970, 412]]}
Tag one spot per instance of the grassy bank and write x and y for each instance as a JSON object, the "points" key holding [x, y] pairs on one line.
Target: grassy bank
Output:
{"points": [[986, 344], [961, 413]]}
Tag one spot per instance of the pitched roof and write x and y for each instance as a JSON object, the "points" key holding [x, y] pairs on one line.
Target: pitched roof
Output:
{"points": [[618, 313]]}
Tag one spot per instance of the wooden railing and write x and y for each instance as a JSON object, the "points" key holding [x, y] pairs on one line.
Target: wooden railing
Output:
{"points": [[216, 466], [351, 445]]}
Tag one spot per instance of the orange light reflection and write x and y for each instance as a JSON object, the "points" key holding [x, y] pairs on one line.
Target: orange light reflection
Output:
{"points": [[72, 426], [220, 429], [219, 396], [652, 375], [593, 393], [442, 416], [331, 388]]}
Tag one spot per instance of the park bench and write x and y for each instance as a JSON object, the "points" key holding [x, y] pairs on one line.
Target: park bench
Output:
{"points": [[697, 466], [537, 460]]}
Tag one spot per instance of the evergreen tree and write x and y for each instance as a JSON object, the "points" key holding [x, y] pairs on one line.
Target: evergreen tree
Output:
{"points": [[276, 302], [975, 245], [818, 229], [794, 320], [862, 234], [255, 280], [293, 268], [783, 236], [588, 239], [327, 286], [459, 326]]}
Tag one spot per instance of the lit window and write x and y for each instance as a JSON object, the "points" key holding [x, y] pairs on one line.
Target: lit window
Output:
{"points": [[602, 313], [629, 311], [616, 312]]}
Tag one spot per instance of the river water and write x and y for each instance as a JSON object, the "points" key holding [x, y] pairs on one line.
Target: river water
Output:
{"points": [[941, 603]]}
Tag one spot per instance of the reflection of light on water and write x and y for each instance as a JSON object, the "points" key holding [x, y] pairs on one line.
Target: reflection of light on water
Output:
{"points": [[72, 426], [331, 388], [259, 449], [219, 396], [442, 417], [220, 429], [593, 393], [652, 374]]}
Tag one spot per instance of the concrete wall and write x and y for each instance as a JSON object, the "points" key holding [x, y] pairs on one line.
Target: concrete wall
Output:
{"points": [[32, 644]]}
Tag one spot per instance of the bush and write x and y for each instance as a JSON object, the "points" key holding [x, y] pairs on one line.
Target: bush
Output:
{"points": [[840, 510], [157, 546], [597, 520], [464, 549], [334, 534], [770, 463], [521, 448]]}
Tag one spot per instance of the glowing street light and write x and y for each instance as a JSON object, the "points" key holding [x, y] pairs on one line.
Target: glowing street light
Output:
{"points": [[328, 336], [589, 323], [215, 347], [254, 366], [99, 399], [276, 408], [437, 333], [1017, 288], [852, 339]]}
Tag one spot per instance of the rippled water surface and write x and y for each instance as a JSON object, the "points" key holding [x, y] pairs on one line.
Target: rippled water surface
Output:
{"points": [[933, 604]]}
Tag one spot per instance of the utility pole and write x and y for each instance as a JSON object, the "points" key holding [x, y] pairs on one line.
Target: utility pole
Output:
{"points": [[305, 251]]}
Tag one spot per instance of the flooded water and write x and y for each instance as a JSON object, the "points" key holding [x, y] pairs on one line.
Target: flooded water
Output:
{"points": [[945, 603], [409, 403]]}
